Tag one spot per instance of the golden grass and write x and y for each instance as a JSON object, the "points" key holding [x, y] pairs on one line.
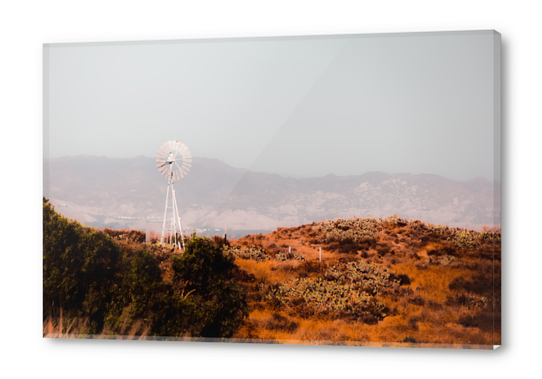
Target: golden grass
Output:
{"points": [[76, 329], [431, 323], [433, 281], [391, 330], [268, 271]]}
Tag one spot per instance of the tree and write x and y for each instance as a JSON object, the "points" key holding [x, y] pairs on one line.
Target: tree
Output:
{"points": [[82, 269], [87, 275], [206, 272]]}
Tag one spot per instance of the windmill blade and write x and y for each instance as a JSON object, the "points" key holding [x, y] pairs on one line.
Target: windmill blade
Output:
{"points": [[179, 171], [163, 151], [173, 168]]}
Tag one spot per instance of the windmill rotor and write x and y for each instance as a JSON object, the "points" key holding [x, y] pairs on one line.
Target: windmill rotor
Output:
{"points": [[173, 160]]}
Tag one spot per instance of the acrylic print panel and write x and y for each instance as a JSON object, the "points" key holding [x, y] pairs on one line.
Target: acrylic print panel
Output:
{"points": [[300, 190]]}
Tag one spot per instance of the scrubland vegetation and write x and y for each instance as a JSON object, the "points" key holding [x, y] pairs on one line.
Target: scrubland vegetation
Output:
{"points": [[381, 282]]}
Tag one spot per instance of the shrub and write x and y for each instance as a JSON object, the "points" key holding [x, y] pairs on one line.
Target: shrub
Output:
{"points": [[82, 269], [371, 278], [126, 235], [417, 300], [220, 303], [147, 297], [220, 241], [255, 253], [327, 297], [280, 323], [443, 260], [395, 220], [87, 276], [347, 231], [309, 267], [409, 339], [483, 319], [480, 283], [403, 279], [281, 257], [466, 300]]}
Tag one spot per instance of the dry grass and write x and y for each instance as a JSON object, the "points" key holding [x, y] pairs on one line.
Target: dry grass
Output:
{"points": [[269, 272], [420, 312], [77, 329]]}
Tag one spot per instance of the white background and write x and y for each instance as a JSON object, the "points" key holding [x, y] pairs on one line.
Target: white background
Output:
{"points": [[26, 25]]}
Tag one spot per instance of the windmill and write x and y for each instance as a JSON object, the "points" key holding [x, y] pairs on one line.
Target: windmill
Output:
{"points": [[173, 160]]}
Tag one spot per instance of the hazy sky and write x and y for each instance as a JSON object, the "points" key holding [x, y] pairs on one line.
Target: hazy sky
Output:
{"points": [[303, 106]]}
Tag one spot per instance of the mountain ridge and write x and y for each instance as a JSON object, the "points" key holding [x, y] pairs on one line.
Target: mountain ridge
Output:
{"points": [[125, 192]]}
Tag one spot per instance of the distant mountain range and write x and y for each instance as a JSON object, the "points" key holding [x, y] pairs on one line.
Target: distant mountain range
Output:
{"points": [[129, 192]]}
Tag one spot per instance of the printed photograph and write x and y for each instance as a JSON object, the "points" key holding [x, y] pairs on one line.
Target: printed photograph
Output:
{"points": [[312, 190]]}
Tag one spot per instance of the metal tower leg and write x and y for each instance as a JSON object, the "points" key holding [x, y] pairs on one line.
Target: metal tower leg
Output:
{"points": [[178, 217], [165, 214]]}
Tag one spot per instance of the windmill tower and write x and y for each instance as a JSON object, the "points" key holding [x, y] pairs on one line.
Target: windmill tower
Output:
{"points": [[173, 160]]}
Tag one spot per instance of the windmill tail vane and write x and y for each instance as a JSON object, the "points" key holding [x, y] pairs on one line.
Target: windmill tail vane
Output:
{"points": [[173, 161]]}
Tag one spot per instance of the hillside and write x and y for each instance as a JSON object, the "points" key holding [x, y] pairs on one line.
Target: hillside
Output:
{"points": [[380, 282], [387, 282], [124, 193], [359, 281]]}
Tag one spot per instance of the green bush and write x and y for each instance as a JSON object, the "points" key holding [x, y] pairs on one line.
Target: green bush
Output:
{"points": [[87, 275], [208, 273], [82, 269]]}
